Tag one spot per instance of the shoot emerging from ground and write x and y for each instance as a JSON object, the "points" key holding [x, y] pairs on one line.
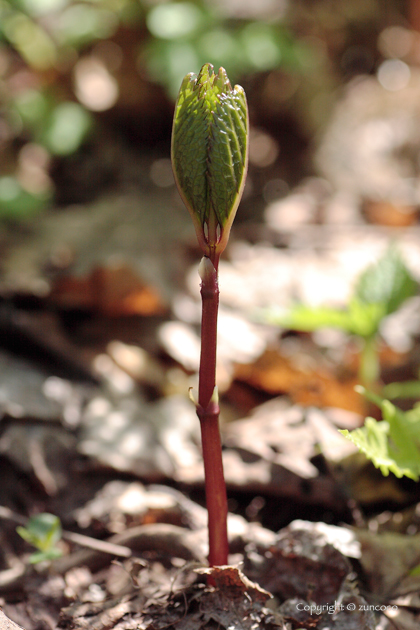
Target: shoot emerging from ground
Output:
{"points": [[209, 159]]}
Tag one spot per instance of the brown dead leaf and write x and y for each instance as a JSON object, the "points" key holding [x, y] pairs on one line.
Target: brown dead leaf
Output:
{"points": [[98, 615], [28, 392], [272, 452], [301, 564], [387, 560], [390, 563], [44, 451], [368, 487], [233, 583], [390, 214], [113, 291], [308, 386]]}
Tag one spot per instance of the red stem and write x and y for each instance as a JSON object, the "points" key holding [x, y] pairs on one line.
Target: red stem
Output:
{"points": [[208, 413]]}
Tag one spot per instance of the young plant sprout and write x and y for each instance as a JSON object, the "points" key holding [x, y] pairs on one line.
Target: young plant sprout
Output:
{"points": [[209, 159], [43, 532]]}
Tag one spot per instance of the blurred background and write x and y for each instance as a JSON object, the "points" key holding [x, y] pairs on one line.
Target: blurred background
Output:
{"points": [[89, 214], [88, 89], [91, 224], [99, 291], [98, 256]]}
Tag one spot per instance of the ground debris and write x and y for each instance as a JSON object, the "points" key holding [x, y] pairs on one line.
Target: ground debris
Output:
{"points": [[391, 562], [97, 616], [302, 563], [234, 603], [31, 391], [120, 503], [124, 432], [349, 612], [39, 606], [273, 450], [8, 624]]}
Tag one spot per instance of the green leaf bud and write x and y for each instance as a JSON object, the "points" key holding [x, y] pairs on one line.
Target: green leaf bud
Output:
{"points": [[210, 153]]}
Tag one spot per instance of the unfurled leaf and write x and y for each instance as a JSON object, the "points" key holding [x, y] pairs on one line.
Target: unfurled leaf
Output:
{"points": [[380, 290], [43, 531], [210, 153], [393, 444], [387, 282]]}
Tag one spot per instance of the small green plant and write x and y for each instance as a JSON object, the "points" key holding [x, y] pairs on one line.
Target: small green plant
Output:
{"points": [[393, 443], [380, 290], [209, 159], [42, 531], [46, 44]]}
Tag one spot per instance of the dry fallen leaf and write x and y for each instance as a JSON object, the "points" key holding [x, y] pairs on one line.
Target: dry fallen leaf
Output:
{"points": [[302, 564], [114, 291], [312, 385]]}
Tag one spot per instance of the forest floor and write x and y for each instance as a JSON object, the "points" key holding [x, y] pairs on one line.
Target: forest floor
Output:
{"points": [[99, 344]]}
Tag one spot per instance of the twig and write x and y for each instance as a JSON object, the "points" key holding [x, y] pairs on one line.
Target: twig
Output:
{"points": [[163, 538], [98, 545]]}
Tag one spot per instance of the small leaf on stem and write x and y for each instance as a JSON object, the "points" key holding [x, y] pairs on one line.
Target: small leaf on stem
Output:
{"points": [[206, 269]]}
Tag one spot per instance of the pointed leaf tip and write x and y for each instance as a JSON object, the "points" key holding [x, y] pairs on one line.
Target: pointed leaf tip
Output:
{"points": [[222, 82]]}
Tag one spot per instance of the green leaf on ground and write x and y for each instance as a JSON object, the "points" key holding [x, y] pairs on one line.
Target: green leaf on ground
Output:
{"points": [[387, 282], [380, 290], [392, 444], [43, 531]]}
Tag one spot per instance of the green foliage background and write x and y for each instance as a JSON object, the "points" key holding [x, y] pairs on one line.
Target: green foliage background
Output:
{"points": [[393, 443], [43, 44], [43, 41]]}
